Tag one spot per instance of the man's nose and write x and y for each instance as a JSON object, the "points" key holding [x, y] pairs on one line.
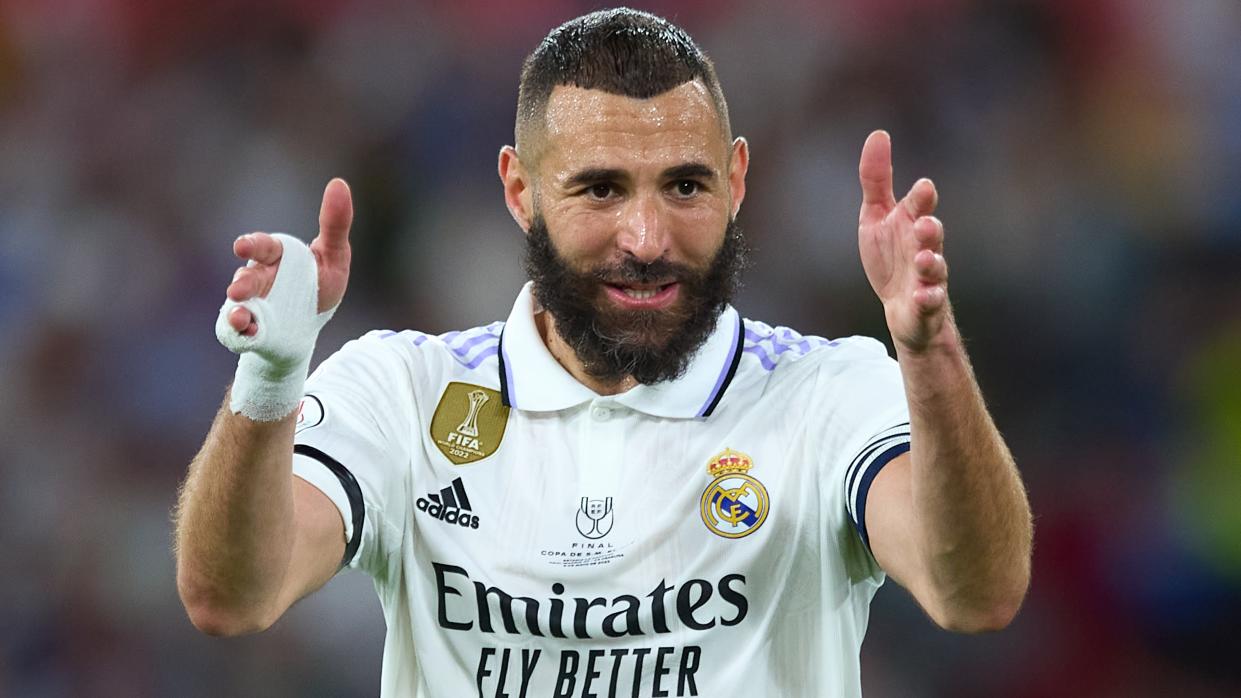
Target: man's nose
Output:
{"points": [[643, 231]]}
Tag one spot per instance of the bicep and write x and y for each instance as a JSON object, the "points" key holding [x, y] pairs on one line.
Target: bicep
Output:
{"points": [[318, 543], [892, 526]]}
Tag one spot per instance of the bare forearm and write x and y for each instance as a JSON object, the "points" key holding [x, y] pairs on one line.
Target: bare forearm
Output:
{"points": [[235, 524], [971, 507]]}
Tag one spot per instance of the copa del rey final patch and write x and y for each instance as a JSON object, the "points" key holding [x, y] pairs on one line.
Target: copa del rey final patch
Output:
{"points": [[469, 422]]}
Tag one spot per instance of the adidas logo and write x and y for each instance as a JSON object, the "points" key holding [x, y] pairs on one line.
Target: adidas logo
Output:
{"points": [[451, 505]]}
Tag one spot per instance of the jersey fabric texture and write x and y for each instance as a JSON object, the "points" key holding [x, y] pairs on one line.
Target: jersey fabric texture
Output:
{"points": [[528, 537]]}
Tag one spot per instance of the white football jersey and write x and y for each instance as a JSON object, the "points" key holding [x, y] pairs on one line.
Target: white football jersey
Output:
{"points": [[529, 537]]}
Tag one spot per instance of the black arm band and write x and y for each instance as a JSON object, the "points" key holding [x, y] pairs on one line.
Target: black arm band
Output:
{"points": [[352, 490]]}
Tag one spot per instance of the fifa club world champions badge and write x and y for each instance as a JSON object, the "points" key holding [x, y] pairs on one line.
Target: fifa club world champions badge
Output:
{"points": [[735, 504], [469, 422]]}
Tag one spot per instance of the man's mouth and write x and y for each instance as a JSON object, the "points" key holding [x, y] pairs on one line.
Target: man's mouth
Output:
{"points": [[643, 296]]}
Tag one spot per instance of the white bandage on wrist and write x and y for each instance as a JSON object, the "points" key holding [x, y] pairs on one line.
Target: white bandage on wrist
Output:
{"points": [[271, 373]]}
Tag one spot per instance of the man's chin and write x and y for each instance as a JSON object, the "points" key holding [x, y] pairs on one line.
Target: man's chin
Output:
{"points": [[652, 346], [640, 328]]}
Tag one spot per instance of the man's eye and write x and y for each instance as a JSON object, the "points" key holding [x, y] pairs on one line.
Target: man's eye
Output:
{"points": [[600, 191], [687, 187]]}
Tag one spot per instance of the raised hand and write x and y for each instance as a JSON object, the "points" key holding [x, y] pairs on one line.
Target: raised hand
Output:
{"points": [[902, 249], [263, 252]]}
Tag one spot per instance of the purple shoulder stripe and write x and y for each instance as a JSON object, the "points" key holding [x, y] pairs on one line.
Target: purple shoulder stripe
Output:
{"points": [[473, 346], [481, 356], [767, 343], [763, 357], [466, 342], [463, 348]]}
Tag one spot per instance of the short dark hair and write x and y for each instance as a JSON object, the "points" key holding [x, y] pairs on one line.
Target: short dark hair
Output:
{"points": [[620, 51]]}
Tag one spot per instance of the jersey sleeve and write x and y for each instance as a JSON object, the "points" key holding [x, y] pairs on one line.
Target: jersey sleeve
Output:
{"points": [[352, 443], [868, 418]]}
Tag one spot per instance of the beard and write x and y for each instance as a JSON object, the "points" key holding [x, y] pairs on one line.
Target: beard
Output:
{"points": [[651, 346]]}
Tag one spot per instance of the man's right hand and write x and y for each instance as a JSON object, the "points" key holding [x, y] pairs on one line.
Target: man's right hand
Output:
{"points": [[251, 538], [263, 252]]}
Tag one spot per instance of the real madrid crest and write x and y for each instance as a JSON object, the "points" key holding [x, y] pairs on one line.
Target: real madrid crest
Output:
{"points": [[469, 422], [735, 504]]}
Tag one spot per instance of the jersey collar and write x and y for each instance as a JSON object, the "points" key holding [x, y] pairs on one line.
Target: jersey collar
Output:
{"points": [[532, 379]]}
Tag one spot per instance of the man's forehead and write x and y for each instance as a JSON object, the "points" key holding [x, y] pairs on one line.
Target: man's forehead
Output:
{"points": [[578, 116]]}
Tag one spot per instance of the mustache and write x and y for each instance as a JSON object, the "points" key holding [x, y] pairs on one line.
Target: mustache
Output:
{"points": [[632, 271]]}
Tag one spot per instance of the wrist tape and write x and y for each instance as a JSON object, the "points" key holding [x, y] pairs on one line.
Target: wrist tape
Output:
{"points": [[271, 372]]}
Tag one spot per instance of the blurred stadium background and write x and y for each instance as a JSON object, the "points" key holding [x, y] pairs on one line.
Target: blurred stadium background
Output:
{"points": [[1089, 159]]}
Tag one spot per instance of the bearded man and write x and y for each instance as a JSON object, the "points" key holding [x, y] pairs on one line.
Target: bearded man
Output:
{"points": [[625, 488]]}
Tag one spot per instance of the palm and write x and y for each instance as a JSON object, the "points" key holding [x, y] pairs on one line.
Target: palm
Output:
{"points": [[901, 246], [331, 250]]}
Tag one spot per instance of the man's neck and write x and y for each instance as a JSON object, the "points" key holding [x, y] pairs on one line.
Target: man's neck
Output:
{"points": [[566, 357]]}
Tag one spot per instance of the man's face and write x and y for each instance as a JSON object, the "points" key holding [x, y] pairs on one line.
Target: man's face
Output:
{"points": [[632, 247]]}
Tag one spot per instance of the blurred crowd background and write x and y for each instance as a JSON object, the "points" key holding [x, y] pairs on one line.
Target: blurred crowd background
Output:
{"points": [[1088, 155]]}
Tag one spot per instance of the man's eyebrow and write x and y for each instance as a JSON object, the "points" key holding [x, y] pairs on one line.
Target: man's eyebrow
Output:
{"points": [[593, 175], [690, 170]]}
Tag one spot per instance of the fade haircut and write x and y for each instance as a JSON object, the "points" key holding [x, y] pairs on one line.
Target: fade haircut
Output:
{"points": [[621, 51]]}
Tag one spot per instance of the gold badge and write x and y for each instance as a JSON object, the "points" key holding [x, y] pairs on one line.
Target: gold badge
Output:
{"points": [[735, 504], [469, 422]]}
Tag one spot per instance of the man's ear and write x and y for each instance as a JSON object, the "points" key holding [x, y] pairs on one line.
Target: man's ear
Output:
{"points": [[518, 189], [737, 168]]}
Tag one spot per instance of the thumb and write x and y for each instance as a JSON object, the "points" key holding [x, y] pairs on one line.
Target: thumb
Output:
{"points": [[335, 217]]}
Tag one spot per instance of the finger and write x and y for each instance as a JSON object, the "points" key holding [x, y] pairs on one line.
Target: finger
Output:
{"points": [[875, 175], [250, 282], [245, 285], [258, 247], [335, 217], [240, 319], [929, 232], [931, 266], [931, 299], [921, 199]]}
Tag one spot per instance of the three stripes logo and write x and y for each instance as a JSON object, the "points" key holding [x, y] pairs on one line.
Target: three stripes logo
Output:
{"points": [[450, 505]]}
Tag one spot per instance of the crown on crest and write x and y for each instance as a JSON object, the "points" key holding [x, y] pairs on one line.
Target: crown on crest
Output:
{"points": [[727, 462]]}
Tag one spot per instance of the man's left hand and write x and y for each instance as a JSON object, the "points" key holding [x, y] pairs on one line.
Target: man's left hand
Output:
{"points": [[902, 248]]}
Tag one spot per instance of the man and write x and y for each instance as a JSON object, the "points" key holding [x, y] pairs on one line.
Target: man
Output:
{"points": [[625, 489]]}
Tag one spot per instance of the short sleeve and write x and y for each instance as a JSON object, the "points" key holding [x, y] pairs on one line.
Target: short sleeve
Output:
{"points": [[879, 450], [869, 423], [352, 443]]}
